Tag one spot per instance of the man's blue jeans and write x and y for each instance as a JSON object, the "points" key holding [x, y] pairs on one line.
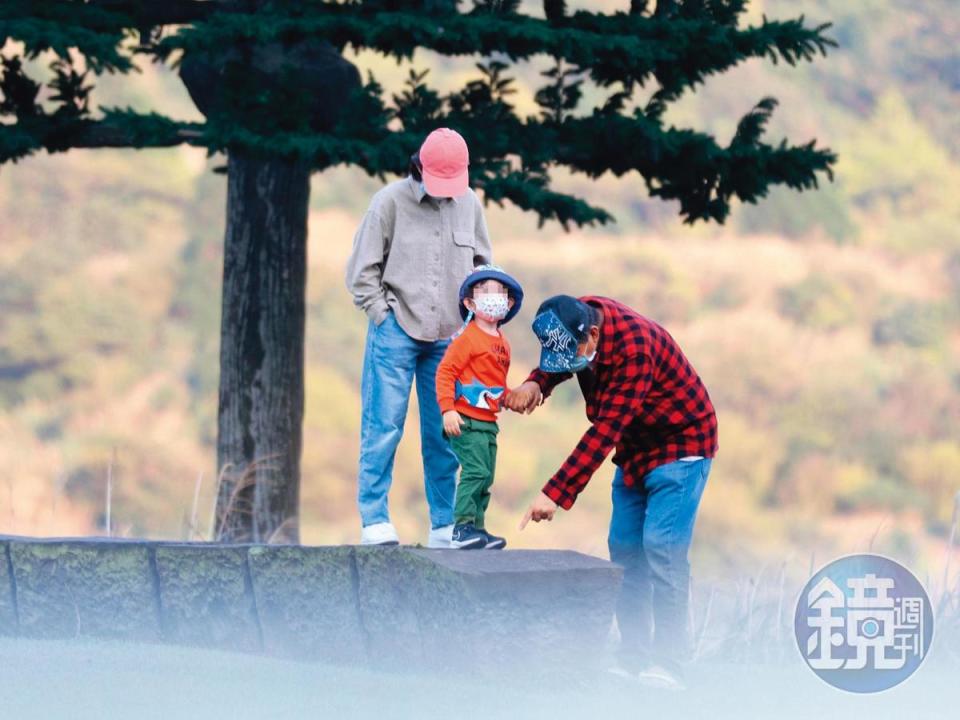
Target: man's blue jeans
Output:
{"points": [[650, 533], [392, 359]]}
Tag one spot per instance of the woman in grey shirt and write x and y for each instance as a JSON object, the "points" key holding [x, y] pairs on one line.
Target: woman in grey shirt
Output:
{"points": [[418, 240]]}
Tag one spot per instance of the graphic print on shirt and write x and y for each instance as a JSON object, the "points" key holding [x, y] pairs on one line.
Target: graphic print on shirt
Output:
{"points": [[503, 357], [478, 394]]}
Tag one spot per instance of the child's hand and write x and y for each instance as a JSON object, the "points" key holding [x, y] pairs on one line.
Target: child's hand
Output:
{"points": [[452, 422], [524, 398]]}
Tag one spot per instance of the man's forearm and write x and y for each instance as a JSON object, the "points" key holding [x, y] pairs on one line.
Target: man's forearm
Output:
{"points": [[579, 467], [547, 381]]}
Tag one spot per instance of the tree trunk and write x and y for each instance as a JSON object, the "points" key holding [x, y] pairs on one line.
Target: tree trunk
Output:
{"points": [[261, 350]]}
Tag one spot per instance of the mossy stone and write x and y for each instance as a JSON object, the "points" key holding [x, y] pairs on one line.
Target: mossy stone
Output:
{"points": [[85, 588], [307, 602], [399, 593], [545, 606], [206, 596], [8, 606]]}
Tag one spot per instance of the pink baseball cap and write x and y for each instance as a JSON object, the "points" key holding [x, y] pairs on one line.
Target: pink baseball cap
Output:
{"points": [[445, 159]]}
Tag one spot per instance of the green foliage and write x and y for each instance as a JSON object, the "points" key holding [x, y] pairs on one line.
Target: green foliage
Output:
{"points": [[911, 323], [678, 47], [819, 301], [96, 30], [934, 470], [786, 213]]}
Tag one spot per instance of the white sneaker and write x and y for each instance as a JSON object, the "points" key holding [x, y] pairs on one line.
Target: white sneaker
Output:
{"points": [[440, 537], [620, 672], [659, 677], [379, 534]]}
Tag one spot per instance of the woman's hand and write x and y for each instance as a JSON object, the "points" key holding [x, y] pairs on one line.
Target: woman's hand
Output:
{"points": [[452, 422]]}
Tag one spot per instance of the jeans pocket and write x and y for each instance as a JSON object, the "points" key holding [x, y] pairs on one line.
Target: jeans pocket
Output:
{"points": [[386, 316]]}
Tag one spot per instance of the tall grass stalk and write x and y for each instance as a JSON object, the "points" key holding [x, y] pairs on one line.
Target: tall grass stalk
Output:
{"points": [[945, 593], [192, 528], [109, 499]]}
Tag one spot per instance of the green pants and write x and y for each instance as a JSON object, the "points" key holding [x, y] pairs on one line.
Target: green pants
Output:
{"points": [[476, 449]]}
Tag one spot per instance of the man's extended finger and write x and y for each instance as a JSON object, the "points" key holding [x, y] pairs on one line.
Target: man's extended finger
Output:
{"points": [[526, 519]]}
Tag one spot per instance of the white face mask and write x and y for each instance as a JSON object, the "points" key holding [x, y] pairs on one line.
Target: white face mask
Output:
{"points": [[582, 361], [492, 306]]}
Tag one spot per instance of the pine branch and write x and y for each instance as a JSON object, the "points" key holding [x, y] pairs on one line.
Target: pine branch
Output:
{"points": [[533, 194], [614, 48], [59, 25], [269, 113], [118, 129]]}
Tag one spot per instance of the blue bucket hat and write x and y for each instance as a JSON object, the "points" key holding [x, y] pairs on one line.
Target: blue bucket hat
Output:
{"points": [[562, 323], [492, 272]]}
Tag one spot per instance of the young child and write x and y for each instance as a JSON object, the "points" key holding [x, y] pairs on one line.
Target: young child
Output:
{"points": [[471, 384]]}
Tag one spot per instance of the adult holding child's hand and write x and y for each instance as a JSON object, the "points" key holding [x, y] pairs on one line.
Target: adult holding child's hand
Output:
{"points": [[644, 401], [524, 398]]}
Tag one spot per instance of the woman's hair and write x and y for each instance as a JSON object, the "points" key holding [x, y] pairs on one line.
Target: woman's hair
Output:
{"points": [[416, 166]]}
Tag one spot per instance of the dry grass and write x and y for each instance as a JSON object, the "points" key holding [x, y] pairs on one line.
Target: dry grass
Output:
{"points": [[750, 619], [239, 508]]}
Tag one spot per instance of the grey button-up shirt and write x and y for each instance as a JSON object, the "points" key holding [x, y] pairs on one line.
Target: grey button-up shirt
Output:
{"points": [[410, 255]]}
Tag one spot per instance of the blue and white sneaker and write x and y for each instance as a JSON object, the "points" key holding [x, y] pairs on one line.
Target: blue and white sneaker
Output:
{"points": [[467, 537], [494, 542]]}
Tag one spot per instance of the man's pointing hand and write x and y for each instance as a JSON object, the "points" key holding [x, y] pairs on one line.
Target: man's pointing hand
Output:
{"points": [[542, 508]]}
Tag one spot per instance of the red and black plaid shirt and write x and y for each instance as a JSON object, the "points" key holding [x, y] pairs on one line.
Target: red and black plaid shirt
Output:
{"points": [[646, 401]]}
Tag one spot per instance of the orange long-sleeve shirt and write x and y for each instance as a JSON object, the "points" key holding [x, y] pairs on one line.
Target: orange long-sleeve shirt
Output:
{"points": [[479, 361]]}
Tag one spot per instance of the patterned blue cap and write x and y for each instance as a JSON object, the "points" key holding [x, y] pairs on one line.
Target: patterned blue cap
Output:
{"points": [[562, 323], [559, 346]]}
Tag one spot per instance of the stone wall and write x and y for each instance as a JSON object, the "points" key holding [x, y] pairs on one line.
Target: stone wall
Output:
{"points": [[396, 607]]}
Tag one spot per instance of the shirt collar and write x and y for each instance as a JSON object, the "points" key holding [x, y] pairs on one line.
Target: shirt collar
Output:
{"points": [[419, 194]]}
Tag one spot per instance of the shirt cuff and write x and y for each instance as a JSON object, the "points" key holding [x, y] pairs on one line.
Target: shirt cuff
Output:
{"points": [[377, 311], [540, 378], [555, 492]]}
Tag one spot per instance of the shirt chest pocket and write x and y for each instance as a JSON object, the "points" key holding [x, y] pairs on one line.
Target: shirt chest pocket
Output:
{"points": [[464, 248], [465, 239]]}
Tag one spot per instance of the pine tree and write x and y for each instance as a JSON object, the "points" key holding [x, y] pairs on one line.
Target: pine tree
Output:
{"points": [[281, 101]]}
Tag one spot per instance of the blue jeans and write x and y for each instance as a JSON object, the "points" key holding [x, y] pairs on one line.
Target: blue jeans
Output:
{"points": [[391, 361], [650, 533]]}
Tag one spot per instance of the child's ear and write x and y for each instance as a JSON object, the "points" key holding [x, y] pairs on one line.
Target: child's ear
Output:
{"points": [[510, 302]]}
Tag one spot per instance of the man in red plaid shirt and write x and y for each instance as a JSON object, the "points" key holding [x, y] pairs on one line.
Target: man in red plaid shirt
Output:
{"points": [[646, 402]]}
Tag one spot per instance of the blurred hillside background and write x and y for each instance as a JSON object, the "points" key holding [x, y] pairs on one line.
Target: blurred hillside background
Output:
{"points": [[826, 325]]}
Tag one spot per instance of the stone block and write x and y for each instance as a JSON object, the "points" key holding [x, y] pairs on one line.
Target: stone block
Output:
{"points": [[517, 605], [307, 602], [206, 596], [99, 588], [8, 600]]}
